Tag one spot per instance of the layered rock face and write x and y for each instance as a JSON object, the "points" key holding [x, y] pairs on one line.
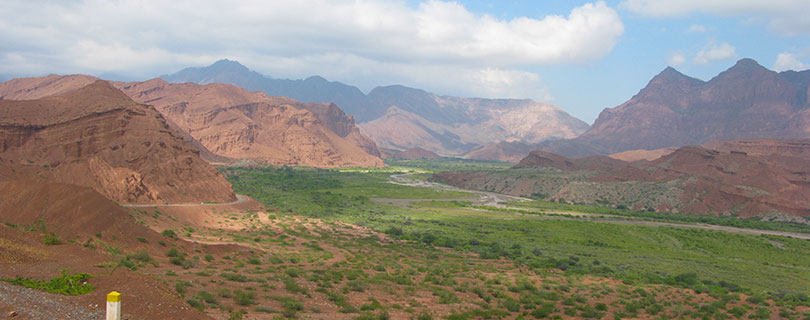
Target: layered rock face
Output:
{"points": [[98, 137], [341, 124], [238, 124]]}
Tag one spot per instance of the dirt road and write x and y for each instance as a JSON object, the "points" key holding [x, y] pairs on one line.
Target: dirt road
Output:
{"points": [[485, 198], [239, 199], [496, 200]]}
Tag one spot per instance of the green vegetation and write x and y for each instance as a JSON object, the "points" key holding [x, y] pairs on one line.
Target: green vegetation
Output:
{"points": [[169, 233], [449, 164], [51, 238], [321, 193], [66, 284], [750, 223], [707, 261]]}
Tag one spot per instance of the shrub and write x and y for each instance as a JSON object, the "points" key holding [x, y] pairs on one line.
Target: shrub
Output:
{"points": [[181, 286], [169, 233], [236, 315], [234, 277], [244, 298], [291, 306], [51, 239], [173, 253], [66, 284], [196, 304]]}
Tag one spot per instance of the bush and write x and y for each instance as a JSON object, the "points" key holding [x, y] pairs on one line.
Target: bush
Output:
{"points": [[169, 233], [291, 306], [196, 304], [234, 277], [66, 284], [236, 315], [173, 253], [181, 286], [424, 316], [207, 297], [51, 239], [244, 298]]}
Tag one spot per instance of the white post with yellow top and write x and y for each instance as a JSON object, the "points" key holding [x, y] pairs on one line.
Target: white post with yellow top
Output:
{"points": [[114, 306]]}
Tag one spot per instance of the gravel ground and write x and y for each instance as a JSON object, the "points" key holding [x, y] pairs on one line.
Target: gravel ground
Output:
{"points": [[33, 304]]}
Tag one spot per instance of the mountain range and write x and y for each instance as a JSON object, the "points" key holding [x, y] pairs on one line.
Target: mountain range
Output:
{"points": [[747, 101], [399, 118], [228, 123]]}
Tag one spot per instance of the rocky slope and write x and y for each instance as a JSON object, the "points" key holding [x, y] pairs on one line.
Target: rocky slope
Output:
{"points": [[509, 151], [746, 101], [641, 154], [40, 87], [690, 179], [98, 137], [399, 117], [456, 126], [341, 124], [764, 147], [413, 153], [309, 144], [238, 124]]}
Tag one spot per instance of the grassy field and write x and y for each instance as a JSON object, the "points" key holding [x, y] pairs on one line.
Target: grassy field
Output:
{"points": [[706, 261], [449, 164]]}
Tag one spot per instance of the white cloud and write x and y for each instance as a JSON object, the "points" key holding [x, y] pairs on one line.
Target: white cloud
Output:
{"points": [[697, 28], [715, 52], [496, 83], [150, 37], [789, 61], [676, 59], [783, 16]]}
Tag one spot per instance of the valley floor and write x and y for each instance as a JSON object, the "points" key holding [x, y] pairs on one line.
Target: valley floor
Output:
{"points": [[325, 244]]}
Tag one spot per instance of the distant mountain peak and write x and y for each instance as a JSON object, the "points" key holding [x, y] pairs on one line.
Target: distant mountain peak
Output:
{"points": [[747, 62], [744, 69], [670, 74], [747, 65], [316, 78], [669, 80], [226, 64]]}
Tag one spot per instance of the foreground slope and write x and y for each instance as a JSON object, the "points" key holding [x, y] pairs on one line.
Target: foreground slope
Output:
{"points": [[747, 101], [97, 137]]}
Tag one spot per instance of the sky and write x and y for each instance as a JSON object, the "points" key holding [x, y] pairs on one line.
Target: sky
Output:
{"points": [[582, 56]]}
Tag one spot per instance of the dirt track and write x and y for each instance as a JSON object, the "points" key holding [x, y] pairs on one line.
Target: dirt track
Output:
{"points": [[239, 199], [496, 200], [485, 198]]}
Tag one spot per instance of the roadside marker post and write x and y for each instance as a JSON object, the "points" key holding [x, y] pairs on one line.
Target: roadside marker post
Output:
{"points": [[113, 306]]}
